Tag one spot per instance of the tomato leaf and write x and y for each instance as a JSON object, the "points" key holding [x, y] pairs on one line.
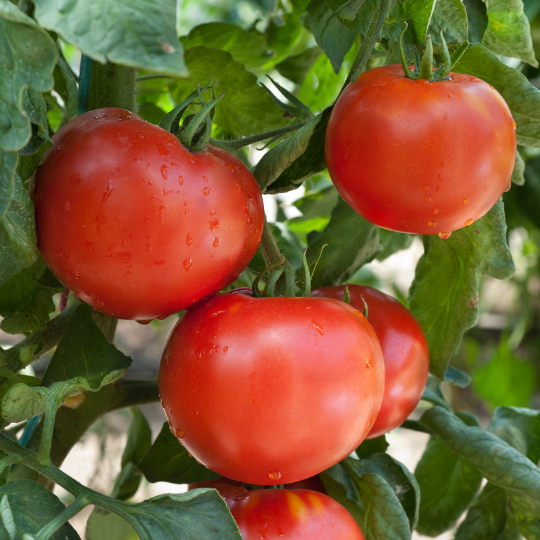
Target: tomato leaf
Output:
{"points": [[30, 53], [138, 33], [477, 19], [518, 174], [393, 242], [419, 12], [520, 95], [8, 166], [450, 16], [444, 293], [102, 524], [20, 402], [168, 461], [65, 85], [18, 248], [352, 242], [245, 108], [283, 34], [26, 507], [448, 485], [508, 32], [488, 517], [295, 68]]}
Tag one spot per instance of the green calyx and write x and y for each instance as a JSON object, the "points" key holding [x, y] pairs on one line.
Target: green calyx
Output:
{"points": [[195, 131], [423, 68]]}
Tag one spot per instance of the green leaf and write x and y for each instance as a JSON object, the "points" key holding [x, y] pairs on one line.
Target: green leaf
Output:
{"points": [[508, 32], [8, 166], [65, 85], [200, 513], [32, 506], [295, 68], [25, 302], [28, 57], [245, 47], [20, 403], [29, 163], [520, 95], [168, 461], [85, 355], [506, 379], [457, 377], [283, 34], [102, 524], [450, 16], [444, 293], [393, 242], [477, 19], [18, 248], [372, 446], [135, 33], [518, 174], [246, 107], [518, 427], [331, 35], [448, 485], [35, 109], [419, 12]]}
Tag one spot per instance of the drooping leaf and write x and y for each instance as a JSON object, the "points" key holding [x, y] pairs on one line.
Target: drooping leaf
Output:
{"points": [[246, 108], [444, 293], [28, 57], [135, 33], [521, 96], [32, 506], [508, 32], [418, 12], [477, 19], [35, 109], [352, 242], [18, 247], [450, 16], [168, 461]]}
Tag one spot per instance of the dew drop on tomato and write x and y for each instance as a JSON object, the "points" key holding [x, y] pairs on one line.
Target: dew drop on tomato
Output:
{"points": [[179, 433], [216, 242], [187, 263], [445, 235], [274, 475], [469, 221], [432, 223], [465, 201], [507, 188]]}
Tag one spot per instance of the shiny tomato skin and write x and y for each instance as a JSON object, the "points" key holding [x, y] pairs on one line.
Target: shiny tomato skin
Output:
{"points": [[420, 157], [135, 224], [283, 514], [271, 390], [405, 351]]}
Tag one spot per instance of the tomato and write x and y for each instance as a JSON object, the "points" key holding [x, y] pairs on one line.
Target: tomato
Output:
{"points": [[135, 224], [420, 157], [283, 514], [404, 347], [271, 390]]}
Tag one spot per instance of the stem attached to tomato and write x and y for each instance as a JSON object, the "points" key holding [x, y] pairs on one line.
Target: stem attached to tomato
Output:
{"points": [[269, 248], [426, 67]]}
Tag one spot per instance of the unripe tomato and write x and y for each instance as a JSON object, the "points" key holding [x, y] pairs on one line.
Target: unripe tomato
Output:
{"points": [[271, 390], [404, 347], [135, 224], [417, 156], [283, 514]]}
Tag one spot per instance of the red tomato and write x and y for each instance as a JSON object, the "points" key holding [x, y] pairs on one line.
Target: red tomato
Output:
{"points": [[420, 157], [271, 390], [404, 347], [135, 224], [282, 514]]}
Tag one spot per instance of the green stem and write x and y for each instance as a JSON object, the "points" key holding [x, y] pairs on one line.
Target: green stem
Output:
{"points": [[426, 67], [154, 76], [111, 85], [414, 426], [369, 42], [72, 510], [52, 405], [269, 248], [245, 141]]}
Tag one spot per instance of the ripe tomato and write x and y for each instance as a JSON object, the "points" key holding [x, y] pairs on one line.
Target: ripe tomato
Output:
{"points": [[135, 224], [404, 347], [271, 390], [420, 157], [283, 514]]}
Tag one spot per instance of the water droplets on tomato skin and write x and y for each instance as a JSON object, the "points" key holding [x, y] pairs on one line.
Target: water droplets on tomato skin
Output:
{"points": [[369, 365], [426, 187], [207, 190], [179, 433], [180, 179], [318, 327], [216, 242], [189, 239], [274, 475], [465, 201], [468, 222], [507, 188], [67, 206], [187, 264], [432, 223], [427, 198], [445, 235], [164, 171], [514, 125], [214, 224], [435, 211]]}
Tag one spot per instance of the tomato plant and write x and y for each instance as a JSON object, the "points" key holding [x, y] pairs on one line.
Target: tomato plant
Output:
{"points": [[417, 156], [302, 368], [404, 347]]}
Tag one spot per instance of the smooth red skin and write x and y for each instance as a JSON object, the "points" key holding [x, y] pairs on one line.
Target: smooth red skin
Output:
{"points": [[118, 228], [255, 387], [404, 347], [282, 514], [405, 153]]}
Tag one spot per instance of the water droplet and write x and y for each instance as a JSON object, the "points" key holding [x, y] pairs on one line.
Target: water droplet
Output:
{"points": [[187, 263], [216, 242], [435, 211], [318, 327], [474, 79], [214, 224], [514, 126], [180, 179], [179, 433], [507, 188], [432, 223], [207, 190], [67, 206], [445, 235], [205, 178], [469, 221], [444, 116], [465, 201], [427, 198], [274, 475], [491, 87], [90, 246], [189, 239], [368, 364], [164, 171], [426, 187], [226, 348], [449, 95]]}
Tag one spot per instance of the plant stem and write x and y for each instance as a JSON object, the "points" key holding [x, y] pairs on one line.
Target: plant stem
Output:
{"points": [[269, 248], [44, 455], [111, 85], [72, 510], [245, 141], [368, 44]]}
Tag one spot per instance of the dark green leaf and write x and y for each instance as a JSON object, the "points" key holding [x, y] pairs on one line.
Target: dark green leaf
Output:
{"points": [[35, 109], [295, 68], [246, 108], [457, 377], [477, 18], [18, 248], [83, 352], [102, 525], [28, 164], [518, 174], [28, 58], [393, 242], [372, 446], [66, 86], [520, 95], [8, 166], [419, 12], [450, 16], [448, 485], [169, 461], [444, 294], [32, 506], [508, 32], [135, 33], [283, 34]]}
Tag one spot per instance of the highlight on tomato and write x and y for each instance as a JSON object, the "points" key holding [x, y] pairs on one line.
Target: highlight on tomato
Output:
{"points": [[138, 225], [404, 347]]}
